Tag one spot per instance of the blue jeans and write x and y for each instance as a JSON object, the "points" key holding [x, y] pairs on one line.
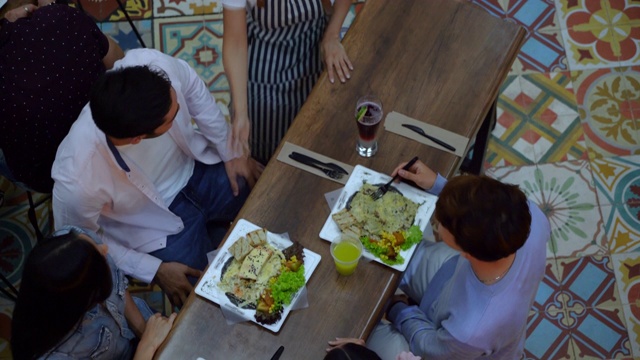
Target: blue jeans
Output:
{"points": [[206, 206]]}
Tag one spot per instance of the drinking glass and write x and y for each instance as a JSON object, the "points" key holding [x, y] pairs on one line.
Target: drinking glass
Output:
{"points": [[368, 118], [346, 253]]}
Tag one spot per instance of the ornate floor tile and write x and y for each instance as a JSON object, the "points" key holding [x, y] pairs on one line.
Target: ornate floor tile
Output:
{"points": [[599, 32], [599, 333], [550, 287], [632, 318], [17, 236], [510, 141], [165, 8], [532, 14], [557, 139], [566, 194], [547, 337], [124, 35], [609, 125], [198, 41], [109, 10], [626, 39], [354, 10], [548, 95], [621, 226], [627, 270], [631, 93], [618, 187], [543, 51], [615, 178], [589, 281]]}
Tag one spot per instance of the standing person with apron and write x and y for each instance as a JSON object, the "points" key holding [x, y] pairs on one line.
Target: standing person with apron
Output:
{"points": [[272, 58]]}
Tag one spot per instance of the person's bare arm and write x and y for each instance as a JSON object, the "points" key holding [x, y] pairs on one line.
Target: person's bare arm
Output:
{"points": [[133, 315], [234, 59], [156, 331], [114, 54], [335, 58]]}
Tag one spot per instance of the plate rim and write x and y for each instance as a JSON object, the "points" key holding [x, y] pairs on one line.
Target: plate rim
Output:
{"points": [[359, 169], [213, 268]]}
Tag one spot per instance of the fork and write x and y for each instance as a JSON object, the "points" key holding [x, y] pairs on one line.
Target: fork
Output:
{"points": [[327, 171], [384, 188]]}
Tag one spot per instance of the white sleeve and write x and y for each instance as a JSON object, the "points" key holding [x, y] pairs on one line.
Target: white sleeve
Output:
{"points": [[140, 265], [204, 110], [72, 206]]}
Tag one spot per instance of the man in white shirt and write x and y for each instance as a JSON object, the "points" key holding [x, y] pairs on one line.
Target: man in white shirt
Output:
{"points": [[135, 170]]}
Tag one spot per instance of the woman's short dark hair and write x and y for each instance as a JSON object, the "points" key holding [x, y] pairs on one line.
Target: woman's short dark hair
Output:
{"points": [[488, 219], [130, 101], [351, 351], [64, 277]]}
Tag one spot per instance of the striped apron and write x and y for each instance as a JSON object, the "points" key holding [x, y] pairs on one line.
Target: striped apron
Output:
{"points": [[284, 63]]}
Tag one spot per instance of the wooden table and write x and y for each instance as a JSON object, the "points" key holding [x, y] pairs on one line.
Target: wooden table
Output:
{"points": [[439, 61]]}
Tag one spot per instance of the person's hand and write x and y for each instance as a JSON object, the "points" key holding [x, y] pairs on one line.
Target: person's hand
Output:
{"points": [[248, 168], [155, 332], [172, 279], [419, 173], [240, 134], [403, 298], [336, 59], [20, 12], [341, 341]]}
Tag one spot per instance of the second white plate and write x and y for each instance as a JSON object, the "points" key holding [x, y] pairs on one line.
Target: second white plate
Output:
{"points": [[330, 231], [208, 285]]}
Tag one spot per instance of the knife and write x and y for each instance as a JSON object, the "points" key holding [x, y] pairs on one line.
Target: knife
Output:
{"points": [[276, 356], [309, 159], [437, 141]]}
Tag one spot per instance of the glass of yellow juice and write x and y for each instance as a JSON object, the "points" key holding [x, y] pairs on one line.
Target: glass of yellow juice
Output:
{"points": [[346, 253]]}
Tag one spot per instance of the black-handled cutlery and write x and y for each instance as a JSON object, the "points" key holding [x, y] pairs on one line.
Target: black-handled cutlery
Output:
{"points": [[420, 131], [330, 165], [327, 170]]}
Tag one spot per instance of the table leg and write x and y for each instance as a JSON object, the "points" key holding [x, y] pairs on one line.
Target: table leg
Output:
{"points": [[474, 163]]}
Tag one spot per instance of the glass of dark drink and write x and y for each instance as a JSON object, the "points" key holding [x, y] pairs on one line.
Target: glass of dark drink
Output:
{"points": [[368, 118]]}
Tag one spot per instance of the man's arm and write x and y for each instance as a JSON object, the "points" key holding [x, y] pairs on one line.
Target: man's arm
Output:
{"points": [[425, 339], [114, 54]]}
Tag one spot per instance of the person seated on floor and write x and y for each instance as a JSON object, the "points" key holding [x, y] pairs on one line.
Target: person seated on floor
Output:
{"points": [[468, 297], [135, 170], [50, 55], [74, 304]]}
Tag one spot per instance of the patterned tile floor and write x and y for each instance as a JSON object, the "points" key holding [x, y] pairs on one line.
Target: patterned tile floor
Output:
{"points": [[568, 133]]}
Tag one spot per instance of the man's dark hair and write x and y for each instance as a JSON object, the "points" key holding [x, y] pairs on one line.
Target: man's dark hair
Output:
{"points": [[488, 219], [130, 101]]}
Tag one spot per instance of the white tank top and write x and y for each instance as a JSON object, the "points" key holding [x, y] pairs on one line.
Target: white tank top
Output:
{"points": [[163, 162]]}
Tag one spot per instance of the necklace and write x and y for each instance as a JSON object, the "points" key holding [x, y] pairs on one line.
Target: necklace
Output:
{"points": [[491, 281]]}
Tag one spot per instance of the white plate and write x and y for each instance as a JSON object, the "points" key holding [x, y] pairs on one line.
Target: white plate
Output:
{"points": [[208, 285], [330, 231]]}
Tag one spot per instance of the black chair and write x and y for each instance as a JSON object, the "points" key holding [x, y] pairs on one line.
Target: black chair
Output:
{"points": [[475, 158]]}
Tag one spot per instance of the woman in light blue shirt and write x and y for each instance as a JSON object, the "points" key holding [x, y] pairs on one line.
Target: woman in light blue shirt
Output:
{"points": [[73, 303]]}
